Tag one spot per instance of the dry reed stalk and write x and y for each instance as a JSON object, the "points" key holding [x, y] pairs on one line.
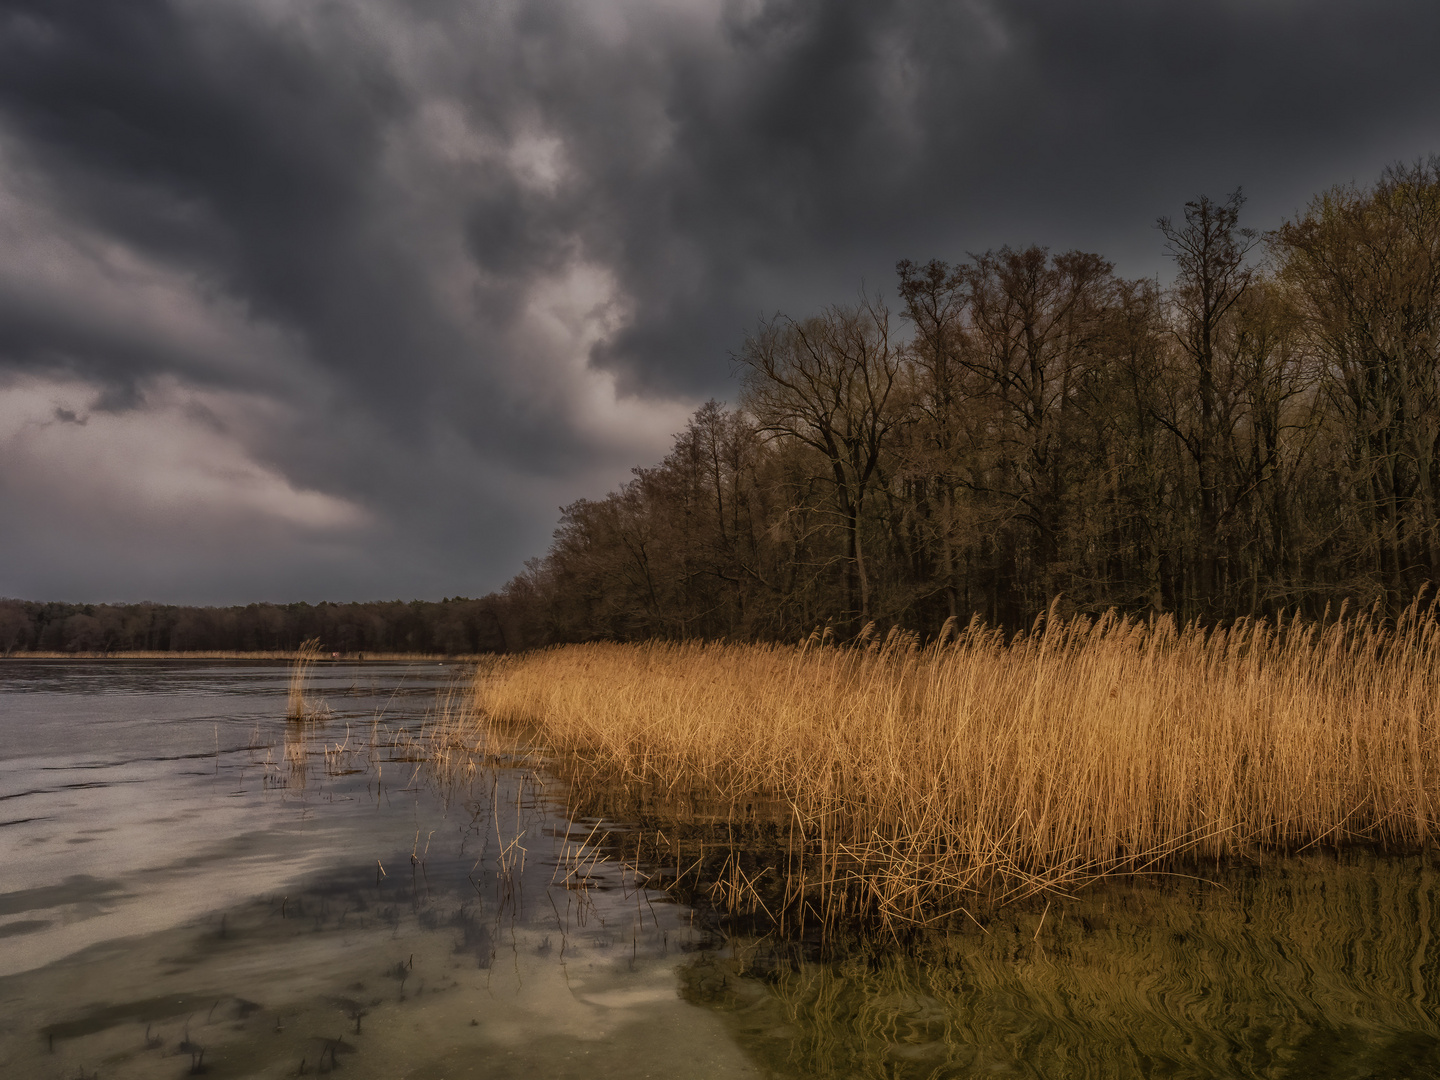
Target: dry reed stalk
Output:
{"points": [[917, 779], [300, 707], [448, 742]]}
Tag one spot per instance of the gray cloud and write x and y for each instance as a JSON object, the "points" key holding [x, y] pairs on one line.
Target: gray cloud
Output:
{"points": [[416, 273]]}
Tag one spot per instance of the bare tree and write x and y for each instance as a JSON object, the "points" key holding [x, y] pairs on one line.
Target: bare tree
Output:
{"points": [[934, 297], [1033, 324], [1209, 250], [1366, 267], [828, 382]]}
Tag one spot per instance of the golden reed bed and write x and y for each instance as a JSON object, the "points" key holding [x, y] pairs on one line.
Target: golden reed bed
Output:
{"points": [[917, 781]]}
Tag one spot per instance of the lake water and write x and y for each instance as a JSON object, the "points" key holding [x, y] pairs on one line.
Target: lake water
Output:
{"points": [[190, 885], [184, 872]]}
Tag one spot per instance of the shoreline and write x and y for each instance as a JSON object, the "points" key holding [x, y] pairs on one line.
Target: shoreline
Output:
{"points": [[279, 655]]}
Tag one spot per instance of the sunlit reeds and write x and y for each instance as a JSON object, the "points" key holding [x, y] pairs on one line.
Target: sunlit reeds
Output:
{"points": [[910, 783], [299, 705]]}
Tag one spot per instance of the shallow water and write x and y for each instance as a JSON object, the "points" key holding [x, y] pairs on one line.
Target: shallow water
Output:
{"points": [[189, 883], [1311, 966], [190, 886]]}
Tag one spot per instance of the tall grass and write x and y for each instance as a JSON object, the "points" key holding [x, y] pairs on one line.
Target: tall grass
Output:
{"points": [[915, 781], [299, 706]]}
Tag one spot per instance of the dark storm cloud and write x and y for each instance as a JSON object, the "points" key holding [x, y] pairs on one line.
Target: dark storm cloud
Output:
{"points": [[863, 133], [203, 139], [407, 252]]}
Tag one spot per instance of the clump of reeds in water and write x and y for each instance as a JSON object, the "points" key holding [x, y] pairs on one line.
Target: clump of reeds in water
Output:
{"points": [[447, 742], [300, 706], [908, 783]]}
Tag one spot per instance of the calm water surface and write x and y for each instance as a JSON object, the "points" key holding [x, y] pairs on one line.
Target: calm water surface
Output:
{"points": [[190, 886]]}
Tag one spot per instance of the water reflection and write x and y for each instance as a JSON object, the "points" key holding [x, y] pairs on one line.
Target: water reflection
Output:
{"points": [[1313, 966], [192, 885], [301, 898]]}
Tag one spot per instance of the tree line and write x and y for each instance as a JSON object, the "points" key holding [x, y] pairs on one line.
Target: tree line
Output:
{"points": [[1262, 435], [450, 626]]}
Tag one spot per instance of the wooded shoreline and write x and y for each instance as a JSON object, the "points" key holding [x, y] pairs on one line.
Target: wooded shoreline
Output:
{"points": [[1257, 438]]}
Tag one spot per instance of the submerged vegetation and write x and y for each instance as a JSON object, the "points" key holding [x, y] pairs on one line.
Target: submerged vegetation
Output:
{"points": [[902, 784], [444, 749]]}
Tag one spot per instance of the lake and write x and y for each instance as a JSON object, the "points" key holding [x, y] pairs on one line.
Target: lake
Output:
{"points": [[192, 885]]}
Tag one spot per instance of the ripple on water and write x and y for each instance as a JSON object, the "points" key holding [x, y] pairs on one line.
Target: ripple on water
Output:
{"points": [[1312, 966]]}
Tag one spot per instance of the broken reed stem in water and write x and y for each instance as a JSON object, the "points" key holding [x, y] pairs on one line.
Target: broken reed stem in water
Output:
{"points": [[299, 707], [918, 781]]}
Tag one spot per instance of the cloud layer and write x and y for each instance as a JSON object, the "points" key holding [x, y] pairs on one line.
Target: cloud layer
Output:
{"points": [[343, 300]]}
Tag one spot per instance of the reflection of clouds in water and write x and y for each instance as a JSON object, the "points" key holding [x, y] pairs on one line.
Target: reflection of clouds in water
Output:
{"points": [[259, 990], [23, 926], [72, 890], [220, 886], [169, 827]]}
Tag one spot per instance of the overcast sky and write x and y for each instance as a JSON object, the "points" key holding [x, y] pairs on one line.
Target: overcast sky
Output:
{"points": [[342, 299]]}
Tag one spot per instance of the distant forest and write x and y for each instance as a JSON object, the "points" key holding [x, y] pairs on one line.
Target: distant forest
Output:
{"points": [[450, 626], [1261, 436]]}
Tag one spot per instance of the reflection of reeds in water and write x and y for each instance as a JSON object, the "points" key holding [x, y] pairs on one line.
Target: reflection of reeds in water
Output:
{"points": [[911, 782], [297, 755], [1312, 967], [301, 712]]}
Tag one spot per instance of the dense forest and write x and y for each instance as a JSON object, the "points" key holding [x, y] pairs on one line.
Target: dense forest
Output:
{"points": [[1262, 435]]}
